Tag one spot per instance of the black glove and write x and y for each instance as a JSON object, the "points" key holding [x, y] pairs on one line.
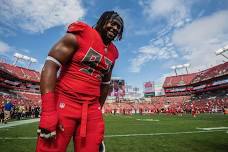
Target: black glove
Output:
{"points": [[102, 147]]}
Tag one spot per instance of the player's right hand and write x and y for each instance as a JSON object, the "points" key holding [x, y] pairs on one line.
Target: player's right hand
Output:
{"points": [[49, 116], [48, 125]]}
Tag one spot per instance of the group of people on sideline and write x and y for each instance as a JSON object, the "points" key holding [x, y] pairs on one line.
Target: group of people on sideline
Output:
{"points": [[10, 111]]}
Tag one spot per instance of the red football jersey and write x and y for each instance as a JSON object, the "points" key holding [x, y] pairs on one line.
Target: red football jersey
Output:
{"points": [[83, 74]]}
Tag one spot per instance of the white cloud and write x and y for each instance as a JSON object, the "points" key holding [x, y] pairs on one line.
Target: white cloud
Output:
{"points": [[194, 40], [152, 52], [204, 29], [175, 13], [4, 47], [142, 32], [172, 11], [7, 32], [202, 38], [136, 63], [39, 15], [162, 8]]}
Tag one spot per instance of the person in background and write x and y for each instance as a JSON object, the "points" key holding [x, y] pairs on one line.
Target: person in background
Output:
{"points": [[2, 112], [7, 110]]}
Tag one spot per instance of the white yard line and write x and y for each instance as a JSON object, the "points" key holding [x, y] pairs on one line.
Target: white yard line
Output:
{"points": [[148, 119], [127, 135], [165, 133], [17, 138], [214, 128], [16, 123]]}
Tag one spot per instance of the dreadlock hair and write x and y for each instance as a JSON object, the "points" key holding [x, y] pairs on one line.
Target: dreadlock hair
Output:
{"points": [[104, 18]]}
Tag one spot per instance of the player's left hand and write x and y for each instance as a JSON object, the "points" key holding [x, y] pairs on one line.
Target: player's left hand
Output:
{"points": [[46, 134], [102, 147]]}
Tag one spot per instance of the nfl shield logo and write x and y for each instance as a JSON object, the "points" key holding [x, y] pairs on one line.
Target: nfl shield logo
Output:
{"points": [[61, 105]]}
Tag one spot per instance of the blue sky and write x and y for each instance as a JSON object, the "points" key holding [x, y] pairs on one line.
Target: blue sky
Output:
{"points": [[158, 33]]}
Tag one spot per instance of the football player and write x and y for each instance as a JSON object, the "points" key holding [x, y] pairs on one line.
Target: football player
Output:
{"points": [[72, 102]]}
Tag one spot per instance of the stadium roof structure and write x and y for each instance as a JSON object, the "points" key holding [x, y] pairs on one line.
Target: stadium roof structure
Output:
{"points": [[193, 78], [20, 72], [179, 80], [216, 71]]}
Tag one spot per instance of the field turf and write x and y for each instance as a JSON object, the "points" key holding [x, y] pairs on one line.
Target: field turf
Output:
{"points": [[150, 133]]}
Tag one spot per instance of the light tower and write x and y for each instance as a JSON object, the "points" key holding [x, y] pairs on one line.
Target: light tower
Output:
{"points": [[28, 59], [31, 60], [222, 51], [18, 57], [174, 68], [186, 66], [180, 66]]}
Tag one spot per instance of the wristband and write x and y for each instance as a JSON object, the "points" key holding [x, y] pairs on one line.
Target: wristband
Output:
{"points": [[48, 102]]}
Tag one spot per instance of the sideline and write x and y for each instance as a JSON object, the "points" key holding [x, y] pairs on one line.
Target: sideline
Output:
{"points": [[19, 122]]}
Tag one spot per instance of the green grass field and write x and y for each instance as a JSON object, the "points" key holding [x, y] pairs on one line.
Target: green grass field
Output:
{"points": [[156, 133]]}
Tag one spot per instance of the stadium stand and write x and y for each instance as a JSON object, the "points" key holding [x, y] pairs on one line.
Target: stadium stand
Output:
{"points": [[205, 91], [180, 80], [20, 72], [178, 85], [216, 71], [20, 86], [210, 79]]}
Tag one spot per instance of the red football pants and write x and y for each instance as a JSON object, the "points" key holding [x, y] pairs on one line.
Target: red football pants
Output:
{"points": [[83, 122]]}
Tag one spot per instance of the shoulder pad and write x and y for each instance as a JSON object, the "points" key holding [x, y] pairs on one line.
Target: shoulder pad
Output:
{"points": [[77, 27]]}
